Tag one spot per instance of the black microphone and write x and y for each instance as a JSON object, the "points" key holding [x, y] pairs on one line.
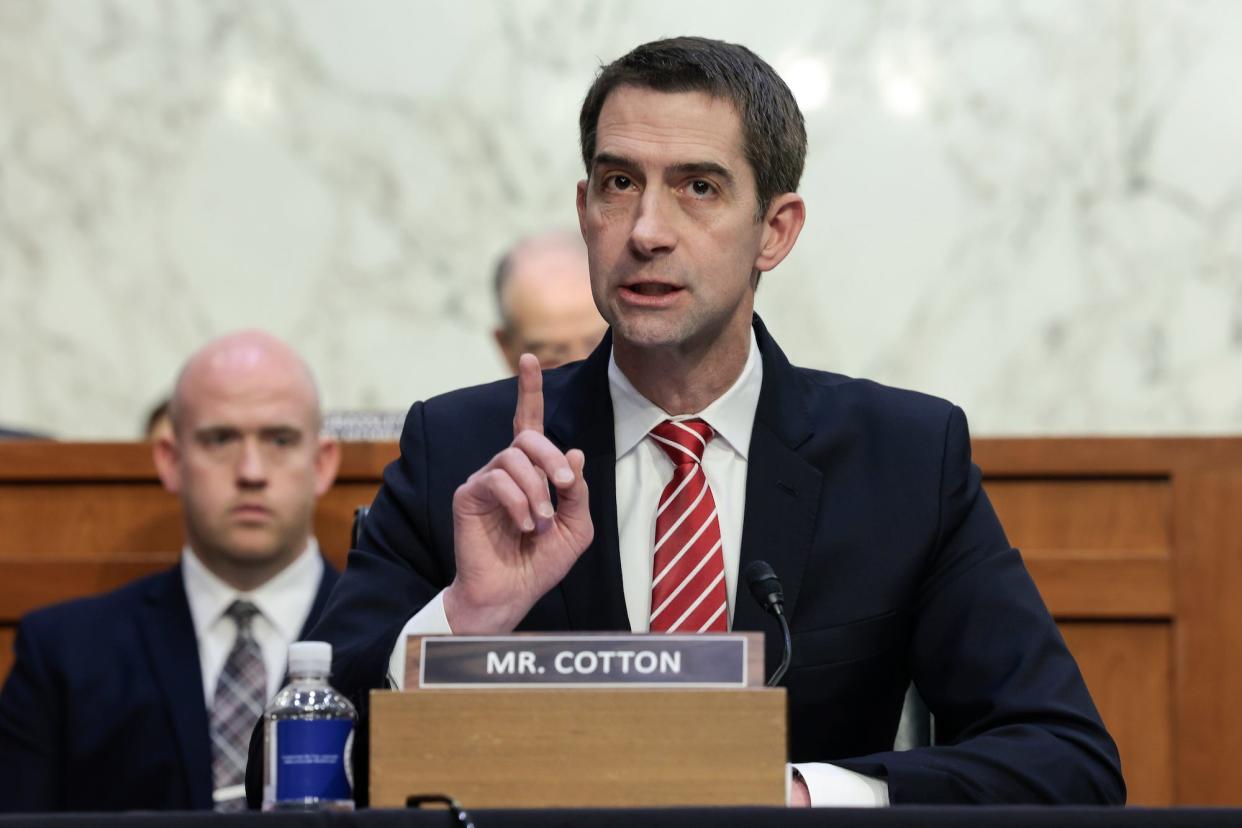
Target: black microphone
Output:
{"points": [[766, 588]]}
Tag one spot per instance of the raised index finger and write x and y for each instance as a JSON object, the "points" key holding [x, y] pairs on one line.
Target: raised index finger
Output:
{"points": [[529, 413]]}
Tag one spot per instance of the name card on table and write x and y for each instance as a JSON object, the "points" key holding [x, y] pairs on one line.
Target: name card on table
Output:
{"points": [[598, 660]]}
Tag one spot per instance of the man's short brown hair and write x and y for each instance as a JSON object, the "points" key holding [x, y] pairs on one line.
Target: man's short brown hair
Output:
{"points": [[773, 132]]}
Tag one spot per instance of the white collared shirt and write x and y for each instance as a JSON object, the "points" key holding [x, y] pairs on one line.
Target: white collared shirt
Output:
{"points": [[642, 472], [284, 603]]}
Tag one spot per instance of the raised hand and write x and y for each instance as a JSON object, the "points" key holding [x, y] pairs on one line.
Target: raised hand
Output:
{"points": [[511, 545]]}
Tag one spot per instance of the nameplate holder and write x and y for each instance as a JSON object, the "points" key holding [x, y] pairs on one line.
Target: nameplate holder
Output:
{"points": [[585, 660]]}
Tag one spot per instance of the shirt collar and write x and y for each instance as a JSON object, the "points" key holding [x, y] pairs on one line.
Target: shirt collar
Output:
{"points": [[283, 600], [731, 415]]}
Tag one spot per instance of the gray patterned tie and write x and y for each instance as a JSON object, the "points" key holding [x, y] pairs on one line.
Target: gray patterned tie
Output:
{"points": [[237, 705]]}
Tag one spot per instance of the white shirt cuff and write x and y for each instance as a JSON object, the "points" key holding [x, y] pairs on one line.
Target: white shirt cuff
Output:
{"points": [[832, 786], [430, 620]]}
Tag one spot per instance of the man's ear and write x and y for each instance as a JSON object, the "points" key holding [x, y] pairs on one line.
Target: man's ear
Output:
{"points": [[167, 456], [782, 222], [327, 463], [505, 342], [581, 202]]}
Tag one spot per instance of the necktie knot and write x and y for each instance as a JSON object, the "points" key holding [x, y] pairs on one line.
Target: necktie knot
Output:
{"points": [[242, 613], [683, 440]]}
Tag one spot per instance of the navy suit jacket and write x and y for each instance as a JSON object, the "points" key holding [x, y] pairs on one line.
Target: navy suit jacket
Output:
{"points": [[13, 434], [866, 503], [104, 708]]}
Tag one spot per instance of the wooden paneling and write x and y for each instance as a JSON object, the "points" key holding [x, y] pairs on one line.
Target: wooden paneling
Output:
{"points": [[81, 519], [1208, 643], [1143, 556], [1100, 549], [1128, 668], [1118, 457], [30, 461], [105, 519], [28, 585], [1078, 533], [85, 540], [1128, 518], [7, 634], [1076, 586], [88, 519], [334, 516]]}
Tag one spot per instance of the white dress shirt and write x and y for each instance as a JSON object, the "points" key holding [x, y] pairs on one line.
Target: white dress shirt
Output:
{"points": [[284, 603], [642, 472]]}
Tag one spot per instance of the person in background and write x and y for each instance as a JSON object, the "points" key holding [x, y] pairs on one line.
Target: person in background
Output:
{"points": [[145, 697], [543, 296], [159, 423], [14, 434]]}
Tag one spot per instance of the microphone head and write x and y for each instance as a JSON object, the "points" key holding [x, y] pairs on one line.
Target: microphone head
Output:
{"points": [[764, 585]]}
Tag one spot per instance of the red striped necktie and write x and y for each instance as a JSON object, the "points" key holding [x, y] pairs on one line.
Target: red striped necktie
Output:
{"points": [[687, 586]]}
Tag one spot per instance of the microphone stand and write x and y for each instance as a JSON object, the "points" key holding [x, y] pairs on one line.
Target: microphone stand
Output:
{"points": [[766, 589], [785, 653]]}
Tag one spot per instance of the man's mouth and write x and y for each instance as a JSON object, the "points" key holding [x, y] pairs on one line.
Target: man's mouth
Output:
{"points": [[651, 288]]}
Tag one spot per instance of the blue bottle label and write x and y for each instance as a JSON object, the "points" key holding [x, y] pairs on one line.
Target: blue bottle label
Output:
{"points": [[312, 759]]}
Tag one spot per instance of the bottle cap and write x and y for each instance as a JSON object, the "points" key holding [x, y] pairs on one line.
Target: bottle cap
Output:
{"points": [[310, 657]]}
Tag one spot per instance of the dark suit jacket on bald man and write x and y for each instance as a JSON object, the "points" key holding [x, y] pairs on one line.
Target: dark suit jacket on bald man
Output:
{"points": [[104, 709], [865, 501]]}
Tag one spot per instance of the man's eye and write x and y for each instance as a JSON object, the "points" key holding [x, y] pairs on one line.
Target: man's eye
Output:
{"points": [[283, 439], [701, 188], [216, 439], [620, 182]]}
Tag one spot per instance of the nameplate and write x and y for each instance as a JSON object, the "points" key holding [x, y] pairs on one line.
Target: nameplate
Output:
{"points": [[543, 660]]}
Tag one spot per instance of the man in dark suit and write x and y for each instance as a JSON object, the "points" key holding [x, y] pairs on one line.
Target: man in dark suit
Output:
{"points": [[687, 446], [13, 434], [144, 698]]}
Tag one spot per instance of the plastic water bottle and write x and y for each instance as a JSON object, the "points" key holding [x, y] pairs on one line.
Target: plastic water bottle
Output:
{"points": [[308, 738]]}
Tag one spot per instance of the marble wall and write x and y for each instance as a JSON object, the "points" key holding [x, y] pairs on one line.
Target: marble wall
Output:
{"points": [[1033, 208]]}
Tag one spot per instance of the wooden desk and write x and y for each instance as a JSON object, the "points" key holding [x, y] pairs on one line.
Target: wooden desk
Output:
{"points": [[1131, 541]]}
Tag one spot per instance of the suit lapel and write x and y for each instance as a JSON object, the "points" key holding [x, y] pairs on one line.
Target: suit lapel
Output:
{"points": [[168, 633], [326, 582], [582, 418], [782, 492]]}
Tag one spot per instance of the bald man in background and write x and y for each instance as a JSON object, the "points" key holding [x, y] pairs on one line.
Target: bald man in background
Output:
{"points": [[144, 698], [543, 295]]}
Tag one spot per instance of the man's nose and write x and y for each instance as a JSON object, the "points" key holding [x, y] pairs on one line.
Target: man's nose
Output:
{"points": [[653, 232], [251, 464]]}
